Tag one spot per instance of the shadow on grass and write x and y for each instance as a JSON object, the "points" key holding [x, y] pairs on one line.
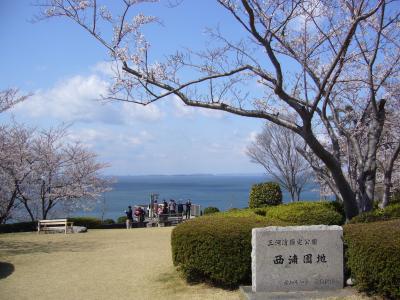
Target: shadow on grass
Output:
{"points": [[12, 248], [172, 281], [6, 269]]}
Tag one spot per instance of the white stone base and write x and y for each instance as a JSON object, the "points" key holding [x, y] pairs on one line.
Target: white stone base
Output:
{"points": [[246, 293]]}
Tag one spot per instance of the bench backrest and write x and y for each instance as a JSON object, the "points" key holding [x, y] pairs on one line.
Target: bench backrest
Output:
{"points": [[52, 221]]}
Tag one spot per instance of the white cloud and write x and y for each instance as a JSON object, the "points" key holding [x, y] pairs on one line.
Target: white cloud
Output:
{"points": [[109, 139], [135, 112], [77, 99], [107, 68]]}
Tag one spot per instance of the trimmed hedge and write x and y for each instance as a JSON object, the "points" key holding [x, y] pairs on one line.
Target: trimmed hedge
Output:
{"points": [[306, 213], [88, 222], [95, 223], [18, 227], [373, 257], [110, 226], [264, 194], [108, 221], [215, 248], [388, 213], [210, 210], [122, 219]]}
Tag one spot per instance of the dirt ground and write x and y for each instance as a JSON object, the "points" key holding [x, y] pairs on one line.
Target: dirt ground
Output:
{"points": [[100, 264]]}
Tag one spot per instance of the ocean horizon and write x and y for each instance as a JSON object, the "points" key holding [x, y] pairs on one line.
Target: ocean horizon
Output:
{"points": [[224, 191]]}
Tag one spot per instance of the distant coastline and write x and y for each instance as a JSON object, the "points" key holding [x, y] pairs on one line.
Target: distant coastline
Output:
{"points": [[188, 175], [224, 191]]}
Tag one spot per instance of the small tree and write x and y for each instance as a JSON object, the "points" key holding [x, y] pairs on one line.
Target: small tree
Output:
{"points": [[63, 175], [15, 162], [264, 194], [14, 141], [275, 150]]}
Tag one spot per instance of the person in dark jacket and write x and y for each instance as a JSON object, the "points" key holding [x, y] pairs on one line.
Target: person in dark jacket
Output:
{"points": [[129, 217], [188, 207], [180, 207]]}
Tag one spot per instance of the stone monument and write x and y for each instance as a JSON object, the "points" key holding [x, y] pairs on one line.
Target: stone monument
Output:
{"points": [[297, 259]]}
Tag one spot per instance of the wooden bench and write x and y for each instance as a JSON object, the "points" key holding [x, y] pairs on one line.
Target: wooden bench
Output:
{"points": [[49, 225]]}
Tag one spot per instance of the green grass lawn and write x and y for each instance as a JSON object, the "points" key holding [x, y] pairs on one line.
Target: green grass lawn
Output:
{"points": [[100, 264]]}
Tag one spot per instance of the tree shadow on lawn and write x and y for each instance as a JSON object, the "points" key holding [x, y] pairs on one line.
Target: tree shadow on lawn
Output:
{"points": [[6, 269], [12, 247]]}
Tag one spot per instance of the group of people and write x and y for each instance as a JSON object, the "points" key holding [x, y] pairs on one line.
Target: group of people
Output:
{"points": [[164, 208], [139, 213], [172, 208]]}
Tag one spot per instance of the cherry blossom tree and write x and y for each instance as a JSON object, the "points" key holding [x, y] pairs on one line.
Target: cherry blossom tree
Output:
{"points": [[15, 163], [63, 174], [40, 171], [275, 149], [13, 155], [388, 154], [331, 63]]}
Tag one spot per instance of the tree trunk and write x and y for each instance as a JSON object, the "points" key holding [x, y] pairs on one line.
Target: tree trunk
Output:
{"points": [[370, 193], [388, 177], [292, 194], [24, 201], [343, 186], [10, 205], [297, 194], [387, 185]]}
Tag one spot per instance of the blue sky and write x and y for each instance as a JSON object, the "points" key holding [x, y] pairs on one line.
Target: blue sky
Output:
{"points": [[67, 70]]}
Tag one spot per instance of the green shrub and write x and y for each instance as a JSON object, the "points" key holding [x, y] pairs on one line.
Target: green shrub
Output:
{"points": [[264, 194], [234, 209], [108, 221], [393, 211], [110, 226], [305, 213], [88, 222], [210, 210], [18, 227], [121, 219], [388, 213], [395, 197], [373, 257], [260, 212], [339, 207], [215, 248], [240, 213]]}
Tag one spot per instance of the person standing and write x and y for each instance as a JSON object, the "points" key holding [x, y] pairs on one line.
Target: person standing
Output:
{"points": [[129, 217], [188, 207], [155, 208], [165, 207], [141, 216], [180, 208], [172, 207]]}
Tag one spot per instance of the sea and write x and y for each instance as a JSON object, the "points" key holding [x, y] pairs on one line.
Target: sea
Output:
{"points": [[221, 191]]}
